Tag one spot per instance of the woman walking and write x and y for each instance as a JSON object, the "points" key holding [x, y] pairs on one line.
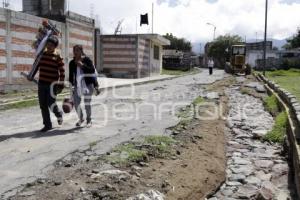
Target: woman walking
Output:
{"points": [[211, 66], [82, 76]]}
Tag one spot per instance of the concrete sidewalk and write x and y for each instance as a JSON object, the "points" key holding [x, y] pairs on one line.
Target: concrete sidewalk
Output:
{"points": [[105, 83], [118, 82]]}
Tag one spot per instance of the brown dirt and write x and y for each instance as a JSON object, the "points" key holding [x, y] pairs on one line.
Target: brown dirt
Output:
{"points": [[197, 169]]}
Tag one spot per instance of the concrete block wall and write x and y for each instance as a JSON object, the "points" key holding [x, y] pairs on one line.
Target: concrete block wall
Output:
{"points": [[17, 33], [118, 55]]}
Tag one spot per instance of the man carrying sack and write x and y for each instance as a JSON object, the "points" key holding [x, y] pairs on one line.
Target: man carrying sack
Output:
{"points": [[51, 82]]}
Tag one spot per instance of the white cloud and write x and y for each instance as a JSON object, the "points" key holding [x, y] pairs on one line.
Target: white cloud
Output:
{"points": [[188, 18]]}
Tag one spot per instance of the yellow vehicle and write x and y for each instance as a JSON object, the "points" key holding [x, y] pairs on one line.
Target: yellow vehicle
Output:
{"points": [[237, 61]]}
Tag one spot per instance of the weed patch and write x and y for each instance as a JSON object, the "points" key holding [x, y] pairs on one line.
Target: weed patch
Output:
{"points": [[271, 105], [278, 131], [150, 146]]}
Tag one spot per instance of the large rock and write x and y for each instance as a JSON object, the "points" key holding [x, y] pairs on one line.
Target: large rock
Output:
{"points": [[263, 176], [280, 169], [245, 170], [213, 95], [260, 89], [241, 161], [252, 180], [246, 192], [264, 163], [240, 79], [267, 191], [233, 183], [252, 84], [150, 195], [237, 178], [258, 134]]}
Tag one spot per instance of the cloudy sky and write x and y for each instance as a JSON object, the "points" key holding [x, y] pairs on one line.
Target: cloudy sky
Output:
{"points": [[189, 18]]}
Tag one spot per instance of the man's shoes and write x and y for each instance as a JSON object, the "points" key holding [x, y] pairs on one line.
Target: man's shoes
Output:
{"points": [[45, 129], [79, 123], [60, 121], [97, 91], [89, 123]]}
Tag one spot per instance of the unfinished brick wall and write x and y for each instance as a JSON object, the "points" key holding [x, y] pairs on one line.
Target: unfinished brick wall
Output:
{"points": [[17, 33]]}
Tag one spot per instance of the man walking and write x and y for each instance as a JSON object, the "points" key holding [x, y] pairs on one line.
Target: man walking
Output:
{"points": [[51, 82]]}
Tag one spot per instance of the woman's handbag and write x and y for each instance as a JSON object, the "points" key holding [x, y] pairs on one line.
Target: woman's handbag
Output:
{"points": [[68, 105]]}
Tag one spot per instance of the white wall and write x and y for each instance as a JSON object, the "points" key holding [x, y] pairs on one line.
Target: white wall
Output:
{"points": [[252, 56], [155, 65]]}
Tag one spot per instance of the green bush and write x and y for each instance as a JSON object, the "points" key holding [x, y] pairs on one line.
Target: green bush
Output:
{"points": [[287, 64]]}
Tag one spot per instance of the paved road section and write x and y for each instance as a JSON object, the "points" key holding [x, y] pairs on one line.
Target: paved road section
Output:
{"points": [[119, 114]]}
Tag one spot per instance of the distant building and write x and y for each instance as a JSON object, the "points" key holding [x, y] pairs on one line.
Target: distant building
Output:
{"points": [[255, 51], [52, 9], [131, 55], [258, 46], [253, 55]]}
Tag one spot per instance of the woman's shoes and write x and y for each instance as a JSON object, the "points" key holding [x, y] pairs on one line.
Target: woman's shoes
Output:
{"points": [[79, 123], [89, 123]]}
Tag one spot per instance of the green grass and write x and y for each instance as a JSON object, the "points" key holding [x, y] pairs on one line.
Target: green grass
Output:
{"points": [[162, 144], [198, 100], [271, 105], [287, 79], [21, 104], [278, 131], [179, 72], [127, 153], [27, 102], [156, 146], [186, 114]]}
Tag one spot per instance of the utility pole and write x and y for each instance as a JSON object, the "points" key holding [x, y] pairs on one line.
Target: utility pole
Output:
{"points": [[152, 17], [200, 48], [255, 36], [214, 29], [5, 3], [265, 40]]}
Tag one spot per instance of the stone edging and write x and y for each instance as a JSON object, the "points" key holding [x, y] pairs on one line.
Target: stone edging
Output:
{"points": [[292, 107], [287, 97]]}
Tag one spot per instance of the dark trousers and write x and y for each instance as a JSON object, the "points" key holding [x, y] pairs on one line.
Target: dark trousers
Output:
{"points": [[47, 100], [210, 70]]}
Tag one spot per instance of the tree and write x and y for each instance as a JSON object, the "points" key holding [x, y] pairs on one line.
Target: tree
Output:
{"points": [[220, 48], [180, 44], [293, 42]]}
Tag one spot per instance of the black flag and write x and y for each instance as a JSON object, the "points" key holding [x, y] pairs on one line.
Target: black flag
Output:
{"points": [[144, 19]]}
